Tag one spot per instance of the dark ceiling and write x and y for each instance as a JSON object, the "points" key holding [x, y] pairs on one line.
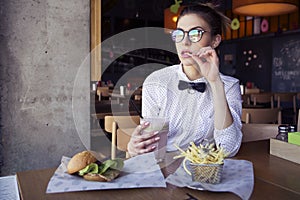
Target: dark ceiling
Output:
{"points": [[148, 9]]}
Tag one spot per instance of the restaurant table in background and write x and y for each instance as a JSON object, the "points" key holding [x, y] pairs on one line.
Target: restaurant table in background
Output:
{"points": [[252, 106], [109, 107], [135, 95], [275, 178], [119, 97]]}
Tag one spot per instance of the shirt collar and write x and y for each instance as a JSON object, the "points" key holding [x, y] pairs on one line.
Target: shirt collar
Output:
{"points": [[182, 76]]}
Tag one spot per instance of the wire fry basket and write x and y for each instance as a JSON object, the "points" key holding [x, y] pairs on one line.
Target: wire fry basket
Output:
{"points": [[206, 173]]}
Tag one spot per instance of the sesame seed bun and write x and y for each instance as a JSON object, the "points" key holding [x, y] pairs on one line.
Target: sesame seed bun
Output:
{"points": [[80, 161]]}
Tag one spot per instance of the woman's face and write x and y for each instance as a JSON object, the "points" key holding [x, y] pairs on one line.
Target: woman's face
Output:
{"points": [[186, 23]]}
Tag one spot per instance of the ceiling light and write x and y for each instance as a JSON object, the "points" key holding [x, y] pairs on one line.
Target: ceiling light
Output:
{"points": [[264, 7]]}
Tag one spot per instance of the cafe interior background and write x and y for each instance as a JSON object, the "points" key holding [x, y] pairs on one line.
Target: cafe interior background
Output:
{"points": [[46, 46]]}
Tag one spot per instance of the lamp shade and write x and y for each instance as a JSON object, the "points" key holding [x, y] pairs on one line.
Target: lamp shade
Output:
{"points": [[264, 7]]}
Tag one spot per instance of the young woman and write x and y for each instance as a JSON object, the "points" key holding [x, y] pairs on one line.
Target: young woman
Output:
{"points": [[212, 114]]}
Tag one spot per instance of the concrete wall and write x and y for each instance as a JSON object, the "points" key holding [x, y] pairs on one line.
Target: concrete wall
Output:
{"points": [[43, 44]]}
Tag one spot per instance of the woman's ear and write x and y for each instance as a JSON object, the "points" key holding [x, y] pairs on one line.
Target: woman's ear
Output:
{"points": [[216, 41]]}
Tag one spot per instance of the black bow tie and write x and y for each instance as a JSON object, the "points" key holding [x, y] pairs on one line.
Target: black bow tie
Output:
{"points": [[183, 85]]}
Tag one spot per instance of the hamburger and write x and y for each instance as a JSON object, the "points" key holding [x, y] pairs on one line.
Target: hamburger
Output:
{"points": [[86, 165]]}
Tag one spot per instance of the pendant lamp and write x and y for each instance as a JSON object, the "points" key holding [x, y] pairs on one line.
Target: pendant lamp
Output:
{"points": [[264, 7]]}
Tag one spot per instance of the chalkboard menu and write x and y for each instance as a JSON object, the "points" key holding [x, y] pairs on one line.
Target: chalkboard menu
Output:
{"points": [[286, 64], [249, 61]]}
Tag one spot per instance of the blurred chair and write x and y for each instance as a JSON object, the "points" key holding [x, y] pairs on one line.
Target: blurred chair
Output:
{"points": [[254, 132], [138, 91], [266, 99], [137, 97], [246, 99], [137, 94], [261, 115], [121, 128], [290, 98], [103, 93], [298, 124], [298, 99], [252, 90], [287, 103]]}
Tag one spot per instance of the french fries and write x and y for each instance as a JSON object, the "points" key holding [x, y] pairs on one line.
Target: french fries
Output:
{"points": [[202, 154]]}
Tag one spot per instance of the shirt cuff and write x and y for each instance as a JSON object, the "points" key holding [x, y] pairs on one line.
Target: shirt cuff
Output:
{"points": [[229, 139]]}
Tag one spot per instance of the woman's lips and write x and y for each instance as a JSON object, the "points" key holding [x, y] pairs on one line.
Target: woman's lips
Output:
{"points": [[186, 54]]}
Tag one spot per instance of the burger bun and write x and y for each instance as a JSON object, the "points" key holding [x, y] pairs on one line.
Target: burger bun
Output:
{"points": [[80, 161]]}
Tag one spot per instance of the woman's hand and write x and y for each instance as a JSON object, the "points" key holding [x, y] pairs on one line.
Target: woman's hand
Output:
{"points": [[208, 62], [141, 142]]}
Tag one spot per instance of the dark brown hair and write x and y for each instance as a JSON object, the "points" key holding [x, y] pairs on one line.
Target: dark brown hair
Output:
{"points": [[217, 20]]}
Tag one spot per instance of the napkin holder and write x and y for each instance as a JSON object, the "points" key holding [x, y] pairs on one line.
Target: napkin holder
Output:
{"points": [[285, 150]]}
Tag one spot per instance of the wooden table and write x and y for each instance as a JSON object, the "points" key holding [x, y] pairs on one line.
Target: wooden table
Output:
{"points": [[271, 169], [275, 178]]}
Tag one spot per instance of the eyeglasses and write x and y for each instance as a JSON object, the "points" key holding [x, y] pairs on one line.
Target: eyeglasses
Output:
{"points": [[194, 35]]}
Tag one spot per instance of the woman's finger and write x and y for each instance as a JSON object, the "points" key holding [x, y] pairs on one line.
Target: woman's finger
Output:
{"points": [[203, 50], [138, 130], [146, 135], [204, 55], [142, 141], [200, 58], [140, 146], [150, 141], [146, 150]]}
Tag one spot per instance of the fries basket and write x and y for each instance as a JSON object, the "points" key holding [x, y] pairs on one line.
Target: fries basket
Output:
{"points": [[203, 163], [206, 173]]}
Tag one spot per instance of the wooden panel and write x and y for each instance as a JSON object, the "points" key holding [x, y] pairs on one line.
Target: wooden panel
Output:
{"points": [[95, 40]]}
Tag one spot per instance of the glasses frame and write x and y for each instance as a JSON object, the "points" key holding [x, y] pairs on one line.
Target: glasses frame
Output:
{"points": [[197, 28]]}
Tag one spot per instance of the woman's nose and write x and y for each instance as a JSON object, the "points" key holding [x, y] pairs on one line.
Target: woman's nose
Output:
{"points": [[186, 41]]}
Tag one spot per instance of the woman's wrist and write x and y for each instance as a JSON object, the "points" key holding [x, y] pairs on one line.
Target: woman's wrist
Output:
{"points": [[223, 117], [217, 85]]}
